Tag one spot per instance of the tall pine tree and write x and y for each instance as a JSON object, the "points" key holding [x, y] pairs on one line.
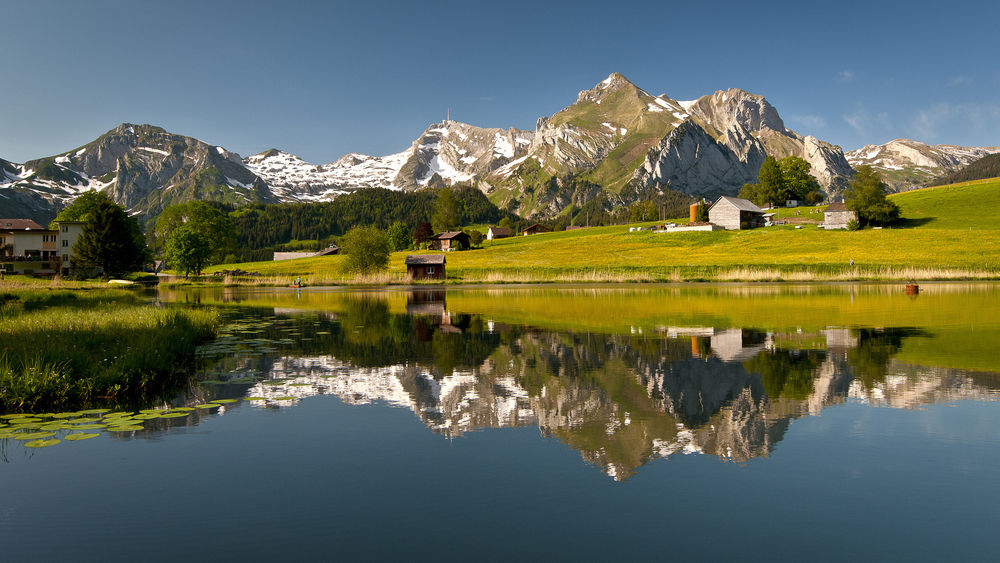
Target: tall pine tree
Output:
{"points": [[109, 242]]}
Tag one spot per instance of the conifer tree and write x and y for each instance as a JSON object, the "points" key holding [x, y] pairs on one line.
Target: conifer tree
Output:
{"points": [[109, 242]]}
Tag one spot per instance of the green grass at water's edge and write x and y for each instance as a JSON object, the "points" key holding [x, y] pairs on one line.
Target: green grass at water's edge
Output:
{"points": [[65, 351]]}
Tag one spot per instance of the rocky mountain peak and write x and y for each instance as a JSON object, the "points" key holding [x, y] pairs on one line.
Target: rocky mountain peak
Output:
{"points": [[735, 108], [613, 83]]}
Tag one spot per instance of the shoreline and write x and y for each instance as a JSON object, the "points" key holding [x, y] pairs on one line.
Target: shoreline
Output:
{"points": [[697, 275]]}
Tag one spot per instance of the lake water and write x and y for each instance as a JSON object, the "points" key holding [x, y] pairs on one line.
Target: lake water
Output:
{"points": [[820, 422]]}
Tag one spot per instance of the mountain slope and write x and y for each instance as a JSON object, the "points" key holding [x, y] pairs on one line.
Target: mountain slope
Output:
{"points": [[293, 179], [906, 164], [982, 169], [141, 167]]}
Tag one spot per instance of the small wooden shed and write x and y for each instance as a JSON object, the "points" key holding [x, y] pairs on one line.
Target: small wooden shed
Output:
{"points": [[424, 266]]}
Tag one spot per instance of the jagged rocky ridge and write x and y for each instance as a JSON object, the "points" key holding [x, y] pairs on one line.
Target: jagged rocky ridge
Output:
{"points": [[141, 167], [615, 140], [906, 164]]}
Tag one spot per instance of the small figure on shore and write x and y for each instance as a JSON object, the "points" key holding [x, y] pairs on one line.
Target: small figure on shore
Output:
{"points": [[298, 280], [852, 261]]}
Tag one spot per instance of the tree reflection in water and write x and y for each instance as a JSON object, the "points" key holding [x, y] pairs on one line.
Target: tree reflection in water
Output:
{"points": [[621, 400]]}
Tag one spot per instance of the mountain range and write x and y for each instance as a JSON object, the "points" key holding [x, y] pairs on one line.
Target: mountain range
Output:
{"points": [[615, 140]]}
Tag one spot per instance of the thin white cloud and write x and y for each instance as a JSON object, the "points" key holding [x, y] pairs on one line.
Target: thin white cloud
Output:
{"points": [[845, 76], [931, 122], [868, 124], [960, 80], [811, 121]]}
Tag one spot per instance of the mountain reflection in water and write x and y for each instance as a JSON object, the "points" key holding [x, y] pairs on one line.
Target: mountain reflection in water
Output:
{"points": [[621, 400]]}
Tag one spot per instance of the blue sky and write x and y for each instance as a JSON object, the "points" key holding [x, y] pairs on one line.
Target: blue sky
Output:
{"points": [[320, 79]]}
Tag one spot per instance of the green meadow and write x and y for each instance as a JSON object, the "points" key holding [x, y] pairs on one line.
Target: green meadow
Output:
{"points": [[947, 232], [71, 349]]}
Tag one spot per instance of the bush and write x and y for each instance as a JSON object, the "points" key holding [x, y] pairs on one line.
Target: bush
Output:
{"points": [[367, 250], [853, 225]]}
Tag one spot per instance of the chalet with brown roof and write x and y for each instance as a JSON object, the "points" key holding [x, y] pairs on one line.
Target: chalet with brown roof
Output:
{"points": [[497, 232], [734, 213], [837, 216], [425, 266], [450, 240], [535, 229]]}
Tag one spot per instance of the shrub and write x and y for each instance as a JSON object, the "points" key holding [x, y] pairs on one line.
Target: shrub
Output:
{"points": [[367, 250]]}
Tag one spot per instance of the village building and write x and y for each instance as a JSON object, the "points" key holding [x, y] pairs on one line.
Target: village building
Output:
{"points": [[29, 248], [451, 240], [424, 266], [497, 232], [575, 227], [733, 213], [535, 229], [837, 216]]}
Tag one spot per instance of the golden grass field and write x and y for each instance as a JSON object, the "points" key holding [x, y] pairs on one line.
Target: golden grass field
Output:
{"points": [[948, 233]]}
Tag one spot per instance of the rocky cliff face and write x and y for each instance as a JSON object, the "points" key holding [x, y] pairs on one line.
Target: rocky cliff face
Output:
{"points": [[691, 161], [747, 129], [906, 164]]}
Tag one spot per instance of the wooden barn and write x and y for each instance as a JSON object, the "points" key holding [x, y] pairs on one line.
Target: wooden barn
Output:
{"points": [[733, 213], [425, 266], [837, 216], [535, 229], [497, 232], [451, 240]]}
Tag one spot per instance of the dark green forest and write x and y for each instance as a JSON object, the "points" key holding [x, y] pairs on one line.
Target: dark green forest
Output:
{"points": [[261, 227], [986, 167]]}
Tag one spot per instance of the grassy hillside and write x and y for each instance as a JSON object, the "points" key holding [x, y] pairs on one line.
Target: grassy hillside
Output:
{"points": [[948, 233]]}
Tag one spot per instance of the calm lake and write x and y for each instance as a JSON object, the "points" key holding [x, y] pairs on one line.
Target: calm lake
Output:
{"points": [[764, 422]]}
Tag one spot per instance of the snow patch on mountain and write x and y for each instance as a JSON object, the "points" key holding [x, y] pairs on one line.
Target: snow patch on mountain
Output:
{"points": [[294, 179]]}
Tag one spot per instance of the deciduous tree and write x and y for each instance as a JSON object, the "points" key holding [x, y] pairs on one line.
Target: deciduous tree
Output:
{"points": [[866, 197], [367, 250], [189, 249], [399, 236]]}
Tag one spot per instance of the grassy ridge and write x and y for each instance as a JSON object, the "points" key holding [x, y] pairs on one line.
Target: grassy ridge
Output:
{"points": [[62, 348], [948, 233]]}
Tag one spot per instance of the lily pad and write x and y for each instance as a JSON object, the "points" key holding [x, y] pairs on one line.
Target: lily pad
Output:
{"points": [[175, 415], [147, 416], [285, 398], [182, 409], [77, 436], [95, 411], [41, 443], [224, 401], [254, 398], [33, 435], [207, 406], [90, 426], [62, 415]]}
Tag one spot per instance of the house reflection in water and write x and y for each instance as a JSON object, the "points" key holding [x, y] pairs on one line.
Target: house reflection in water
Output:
{"points": [[432, 314]]}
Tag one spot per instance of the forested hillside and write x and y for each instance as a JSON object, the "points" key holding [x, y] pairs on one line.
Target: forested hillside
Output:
{"points": [[986, 167], [262, 226]]}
